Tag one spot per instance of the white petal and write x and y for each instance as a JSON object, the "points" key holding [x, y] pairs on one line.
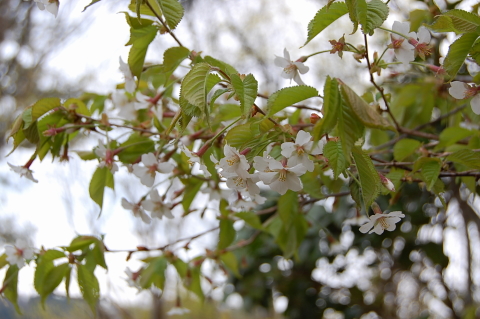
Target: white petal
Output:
{"points": [[424, 35], [377, 229], [52, 7], [302, 68], [279, 186], [405, 55], [366, 227], [288, 75], [148, 179], [298, 169], [286, 55], [127, 205], [457, 89], [475, 104], [165, 167], [149, 159], [297, 79], [281, 62], [287, 149]]}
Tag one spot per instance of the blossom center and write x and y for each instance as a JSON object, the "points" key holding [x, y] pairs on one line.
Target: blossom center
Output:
{"points": [[233, 160], [282, 175], [383, 222], [397, 43], [291, 68]]}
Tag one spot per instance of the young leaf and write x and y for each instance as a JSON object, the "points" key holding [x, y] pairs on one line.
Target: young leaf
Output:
{"points": [[192, 187], [140, 39], [89, 287], [405, 148], [231, 262], [324, 17], [289, 96], [134, 147], [251, 219], [357, 11], [172, 11], [287, 206], [367, 175], [466, 157], [458, 21], [291, 235], [452, 135], [377, 13], [349, 129], [458, 53], [172, 58], [430, 169], [245, 90], [154, 274], [336, 158], [226, 68], [52, 279], [194, 86], [10, 283], [331, 107], [101, 178], [43, 106], [367, 115], [239, 136], [227, 233]]}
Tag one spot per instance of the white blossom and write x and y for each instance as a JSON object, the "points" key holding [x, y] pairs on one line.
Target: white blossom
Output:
{"points": [[49, 5], [124, 104], [127, 73], [297, 152], [244, 181], [281, 177], [23, 171], [193, 158], [177, 311], [151, 166], [290, 68], [17, 254], [422, 46], [461, 90], [233, 162], [107, 157], [381, 222], [404, 51], [157, 206], [137, 210]]}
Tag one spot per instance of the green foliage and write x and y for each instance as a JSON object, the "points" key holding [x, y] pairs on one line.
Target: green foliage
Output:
{"points": [[101, 178], [194, 87], [245, 91], [172, 11], [458, 52], [324, 17], [336, 158], [458, 21], [404, 148], [367, 176], [289, 96], [140, 38]]}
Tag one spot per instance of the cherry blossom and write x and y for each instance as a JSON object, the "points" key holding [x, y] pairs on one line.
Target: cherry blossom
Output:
{"points": [[290, 68], [17, 254], [157, 206], [193, 158], [133, 278], [107, 157], [282, 176], [297, 152], [137, 210], [404, 51], [244, 181], [23, 171], [461, 90], [151, 166], [381, 222], [127, 73], [422, 46], [49, 5], [233, 162]]}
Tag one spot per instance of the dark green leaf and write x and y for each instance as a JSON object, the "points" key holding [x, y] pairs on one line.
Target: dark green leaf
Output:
{"points": [[231, 262], [336, 158], [227, 233], [458, 52], [140, 39], [289, 96], [405, 148]]}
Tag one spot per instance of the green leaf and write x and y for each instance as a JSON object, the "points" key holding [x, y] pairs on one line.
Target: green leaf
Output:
{"points": [[239, 136], [466, 157], [405, 148], [89, 287], [81, 243], [78, 106], [172, 11], [52, 279], [194, 86], [231, 262], [357, 11], [291, 235], [101, 178], [216, 95], [289, 96], [251, 219], [349, 129], [377, 13], [331, 107], [452, 135], [246, 91], [227, 233], [154, 274], [430, 169], [367, 175], [458, 52], [172, 57], [287, 206], [137, 22], [226, 68], [194, 284], [367, 115], [336, 158], [10, 284], [3, 261], [43, 106], [458, 21], [324, 17], [192, 187], [140, 39], [312, 183]]}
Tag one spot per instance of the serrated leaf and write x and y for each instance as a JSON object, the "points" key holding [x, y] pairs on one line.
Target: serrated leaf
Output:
{"points": [[89, 287], [134, 147], [10, 286], [52, 279], [349, 129], [245, 90], [194, 87], [137, 22], [101, 178], [77, 105], [172, 57], [227, 233], [331, 107], [172, 11], [43, 106], [458, 52], [226, 68], [140, 39], [357, 11], [365, 113], [216, 95], [377, 13], [466, 157], [336, 158], [289, 96], [251, 219], [367, 175], [154, 274], [405, 148], [430, 169], [239, 136], [456, 20], [324, 17], [287, 206], [231, 262], [452, 135]]}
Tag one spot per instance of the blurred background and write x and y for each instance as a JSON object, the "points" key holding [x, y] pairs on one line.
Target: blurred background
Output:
{"points": [[429, 268]]}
